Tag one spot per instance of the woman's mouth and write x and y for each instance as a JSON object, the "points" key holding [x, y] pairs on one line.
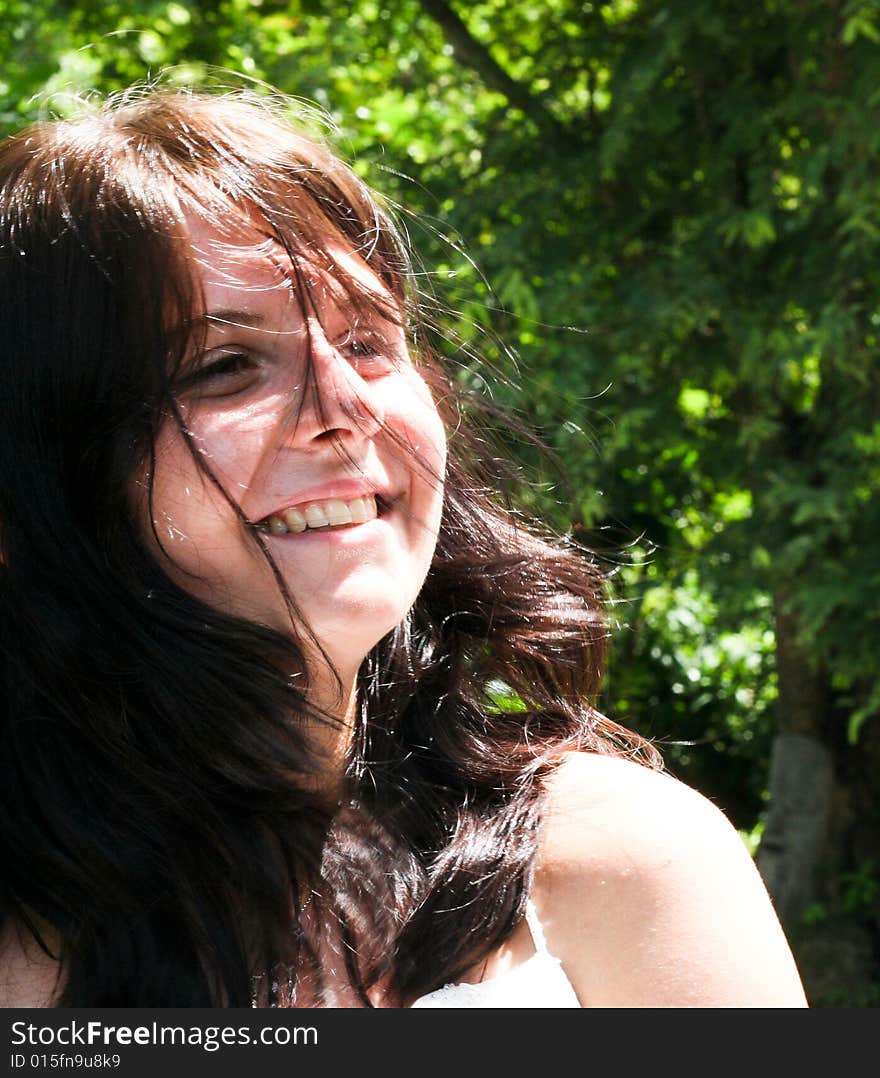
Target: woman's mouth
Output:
{"points": [[313, 516]]}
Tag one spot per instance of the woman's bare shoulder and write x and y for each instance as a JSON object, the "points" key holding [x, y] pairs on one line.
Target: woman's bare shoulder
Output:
{"points": [[592, 790], [28, 976], [649, 896]]}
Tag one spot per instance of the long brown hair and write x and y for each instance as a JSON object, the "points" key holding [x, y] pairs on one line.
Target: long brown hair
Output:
{"points": [[148, 815]]}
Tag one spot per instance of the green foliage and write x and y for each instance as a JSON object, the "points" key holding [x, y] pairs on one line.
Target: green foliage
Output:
{"points": [[700, 683], [752, 839], [670, 210]]}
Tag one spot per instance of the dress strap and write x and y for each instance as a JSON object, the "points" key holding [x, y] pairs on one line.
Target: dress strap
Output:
{"points": [[535, 927]]}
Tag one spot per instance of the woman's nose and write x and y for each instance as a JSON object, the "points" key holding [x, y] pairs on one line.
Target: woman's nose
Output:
{"points": [[335, 402]]}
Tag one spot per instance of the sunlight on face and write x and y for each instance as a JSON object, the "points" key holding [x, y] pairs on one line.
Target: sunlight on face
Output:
{"points": [[321, 432]]}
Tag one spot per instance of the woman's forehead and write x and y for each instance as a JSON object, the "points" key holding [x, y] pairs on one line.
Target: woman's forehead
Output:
{"points": [[249, 259]]}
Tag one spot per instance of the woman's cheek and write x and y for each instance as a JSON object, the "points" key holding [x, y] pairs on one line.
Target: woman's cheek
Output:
{"points": [[184, 518], [426, 431]]}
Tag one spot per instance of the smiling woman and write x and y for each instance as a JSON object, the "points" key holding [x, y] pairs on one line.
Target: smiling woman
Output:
{"points": [[300, 414], [254, 617]]}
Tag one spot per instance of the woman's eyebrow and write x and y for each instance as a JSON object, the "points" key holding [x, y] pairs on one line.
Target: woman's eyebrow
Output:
{"points": [[232, 316]]}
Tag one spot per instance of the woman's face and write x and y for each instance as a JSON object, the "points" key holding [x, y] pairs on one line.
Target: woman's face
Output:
{"points": [[323, 433]]}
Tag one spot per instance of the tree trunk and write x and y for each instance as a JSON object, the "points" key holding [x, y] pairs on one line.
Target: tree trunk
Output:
{"points": [[797, 822], [801, 775], [821, 842]]}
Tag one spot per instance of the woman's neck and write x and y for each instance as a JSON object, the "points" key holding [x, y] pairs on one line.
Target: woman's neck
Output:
{"points": [[332, 737]]}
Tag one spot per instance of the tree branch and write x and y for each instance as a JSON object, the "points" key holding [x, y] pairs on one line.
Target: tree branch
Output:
{"points": [[475, 54]]}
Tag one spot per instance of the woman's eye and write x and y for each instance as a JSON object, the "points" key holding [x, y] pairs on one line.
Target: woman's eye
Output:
{"points": [[360, 348], [220, 373], [367, 354]]}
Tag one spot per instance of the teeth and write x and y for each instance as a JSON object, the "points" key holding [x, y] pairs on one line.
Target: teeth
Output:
{"points": [[294, 519], [329, 514], [337, 512], [362, 509], [315, 516]]}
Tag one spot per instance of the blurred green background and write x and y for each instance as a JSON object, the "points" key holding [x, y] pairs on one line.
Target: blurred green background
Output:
{"points": [[658, 224]]}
